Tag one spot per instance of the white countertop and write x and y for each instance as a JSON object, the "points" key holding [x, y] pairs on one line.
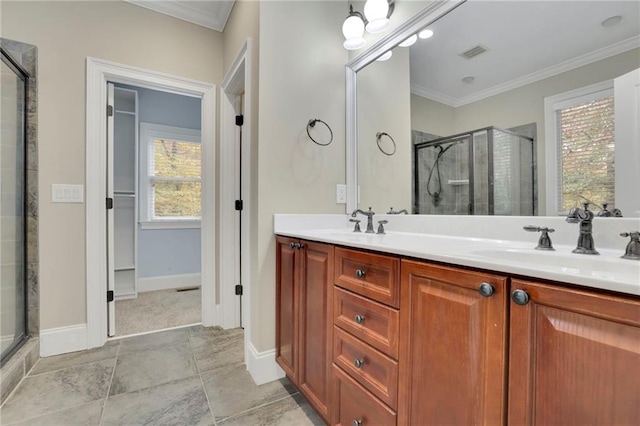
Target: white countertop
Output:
{"points": [[439, 238]]}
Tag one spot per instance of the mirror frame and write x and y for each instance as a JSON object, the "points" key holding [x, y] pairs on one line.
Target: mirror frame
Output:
{"points": [[431, 13]]}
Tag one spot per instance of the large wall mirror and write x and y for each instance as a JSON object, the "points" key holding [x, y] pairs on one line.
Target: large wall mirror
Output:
{"points": [[507, 109]]}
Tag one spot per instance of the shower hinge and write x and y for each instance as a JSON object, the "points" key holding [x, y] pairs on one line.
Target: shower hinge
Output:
{"points": [[109, 111]]}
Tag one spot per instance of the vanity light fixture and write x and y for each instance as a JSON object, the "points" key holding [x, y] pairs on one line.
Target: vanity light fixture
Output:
{"points": [[377, 14], [425, 34], [408, 42], [375, 20], [385, 56], [353, 30]]}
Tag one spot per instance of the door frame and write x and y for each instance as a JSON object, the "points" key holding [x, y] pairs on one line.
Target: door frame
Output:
{"points": [[236, 81], [99, 72]]}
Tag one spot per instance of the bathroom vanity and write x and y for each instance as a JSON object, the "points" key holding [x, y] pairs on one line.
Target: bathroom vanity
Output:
{"points": [[414, 328]]}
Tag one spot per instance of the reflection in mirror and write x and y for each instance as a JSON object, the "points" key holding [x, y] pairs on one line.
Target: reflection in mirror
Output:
{"points": [[497, 113]]}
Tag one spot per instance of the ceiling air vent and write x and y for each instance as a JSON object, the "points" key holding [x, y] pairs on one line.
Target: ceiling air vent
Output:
{"points": [[474, 51]]}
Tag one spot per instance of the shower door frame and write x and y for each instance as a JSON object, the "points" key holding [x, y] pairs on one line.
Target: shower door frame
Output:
{"points": [[490, 166], [23, 75]]}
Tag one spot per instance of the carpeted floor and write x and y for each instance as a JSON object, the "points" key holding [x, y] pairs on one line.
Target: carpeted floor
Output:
{"points": [[156, 310]]}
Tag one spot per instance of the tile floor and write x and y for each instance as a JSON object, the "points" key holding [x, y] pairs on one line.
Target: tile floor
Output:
{"points": [[188, 376]]}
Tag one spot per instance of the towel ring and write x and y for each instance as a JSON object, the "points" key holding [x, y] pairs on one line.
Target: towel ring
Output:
{"points": [[379, 136], [312, 124]]}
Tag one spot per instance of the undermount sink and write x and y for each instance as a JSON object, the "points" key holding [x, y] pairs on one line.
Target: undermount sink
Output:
{"points": [[608, 267]]}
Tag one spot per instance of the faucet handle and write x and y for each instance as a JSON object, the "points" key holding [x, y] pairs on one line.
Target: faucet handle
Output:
{"points": [[544, 242], [356, 228], [632, 251], [381, 224]]}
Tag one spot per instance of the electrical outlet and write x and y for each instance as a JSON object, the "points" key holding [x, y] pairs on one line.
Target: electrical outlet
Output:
{"points": [[341, 194]]}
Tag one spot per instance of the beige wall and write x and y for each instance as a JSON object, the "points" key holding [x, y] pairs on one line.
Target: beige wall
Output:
{"points": [[383, 104], [432, 117], [523, 105], [65, 34], [301, 77]]}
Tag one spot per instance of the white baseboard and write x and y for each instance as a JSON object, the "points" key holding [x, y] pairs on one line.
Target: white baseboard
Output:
{"points": [[217, 315], [62, 340], [262, 365], [167, 282]]}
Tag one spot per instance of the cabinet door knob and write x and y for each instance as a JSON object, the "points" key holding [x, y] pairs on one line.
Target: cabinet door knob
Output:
{"points": [[299, 246], [360, 273], [521, 297], [486, 289], [359, 319], [292, 245], [358, 363], [357, 422]]}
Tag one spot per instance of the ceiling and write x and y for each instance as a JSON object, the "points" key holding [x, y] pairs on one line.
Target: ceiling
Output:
{"points": [[526, 41], [212, 14]]}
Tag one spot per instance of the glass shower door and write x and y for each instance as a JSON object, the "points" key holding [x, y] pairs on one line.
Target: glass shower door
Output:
{"points": [[12, 209]]}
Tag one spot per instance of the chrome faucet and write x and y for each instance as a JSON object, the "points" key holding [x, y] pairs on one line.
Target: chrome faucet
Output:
{"points": [[584, 217], [392, 211], [369, 216]]}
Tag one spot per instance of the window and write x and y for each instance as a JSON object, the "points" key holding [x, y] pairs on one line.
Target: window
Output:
{"points": [[580, 148], [170, 177]]}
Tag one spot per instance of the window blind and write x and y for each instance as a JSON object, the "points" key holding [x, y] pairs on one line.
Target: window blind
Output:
{"points": [[586, 153]]}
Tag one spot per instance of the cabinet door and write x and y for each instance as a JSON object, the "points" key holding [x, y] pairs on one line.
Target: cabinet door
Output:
{"points": [[288, 270], [316, 317], [574, 357], [452, 346]]}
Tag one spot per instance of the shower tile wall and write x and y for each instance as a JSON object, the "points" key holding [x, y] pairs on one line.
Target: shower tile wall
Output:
{"points": [[21, 362]]}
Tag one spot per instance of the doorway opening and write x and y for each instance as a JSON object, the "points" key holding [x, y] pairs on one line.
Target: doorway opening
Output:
{"points": [[154, 236]]}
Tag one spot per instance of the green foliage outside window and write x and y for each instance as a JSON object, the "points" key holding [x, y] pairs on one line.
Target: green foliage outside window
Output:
{"points": [[588, 135], [176, 179]]}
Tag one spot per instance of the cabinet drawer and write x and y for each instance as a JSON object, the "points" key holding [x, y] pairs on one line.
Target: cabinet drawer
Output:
{"points": [[378, 324], [371, 368], [371, 275], [353, 404]]}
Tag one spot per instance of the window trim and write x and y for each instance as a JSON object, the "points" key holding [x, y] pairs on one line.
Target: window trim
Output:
{"points": [[551, 105], [149, 132]]}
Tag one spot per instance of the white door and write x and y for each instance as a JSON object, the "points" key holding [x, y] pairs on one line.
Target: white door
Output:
{"points": [[627, 127], [111, 304]]}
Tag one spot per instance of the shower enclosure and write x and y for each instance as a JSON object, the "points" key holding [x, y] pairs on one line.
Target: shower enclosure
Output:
{"points": [[488, 171], [13, 316]]}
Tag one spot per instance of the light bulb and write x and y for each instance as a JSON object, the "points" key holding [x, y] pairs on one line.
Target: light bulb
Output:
{"points": [[425, 34], [408, 42], [385, 56], [376, 13], [353, 29]]}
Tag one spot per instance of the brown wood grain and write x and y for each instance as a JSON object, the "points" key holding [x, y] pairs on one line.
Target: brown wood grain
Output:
{"points": [[452, 347], [287, 277], [574, 357], [381, 281], [381, 323]]}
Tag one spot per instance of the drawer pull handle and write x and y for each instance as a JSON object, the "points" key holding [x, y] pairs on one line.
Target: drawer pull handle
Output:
{"points": [[486, 289], [360, 273], [521, 297], [358, 363], [359, 319], [357, 422]]}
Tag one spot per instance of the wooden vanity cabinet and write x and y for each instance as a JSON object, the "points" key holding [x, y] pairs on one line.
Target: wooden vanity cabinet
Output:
{"points": [[304, 301], [452, 346], [574, 357]]}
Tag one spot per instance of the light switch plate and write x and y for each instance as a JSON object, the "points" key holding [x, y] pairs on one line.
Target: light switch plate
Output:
{"points": [[341, 194], [62, 193]]}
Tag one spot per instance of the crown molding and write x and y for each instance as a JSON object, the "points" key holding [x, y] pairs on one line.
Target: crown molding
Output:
{"points": [[571, 64], [184, 11]]}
